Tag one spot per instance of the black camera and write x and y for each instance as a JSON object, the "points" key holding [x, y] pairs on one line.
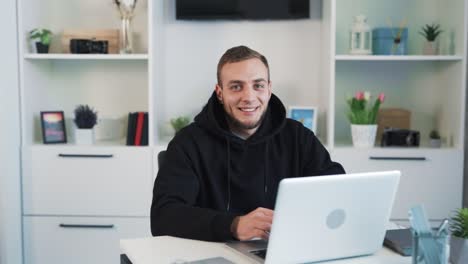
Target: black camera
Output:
{"points": [[84, 46], [400, 137]]}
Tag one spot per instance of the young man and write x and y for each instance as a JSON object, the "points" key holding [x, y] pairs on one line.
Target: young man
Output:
{"points": [[221, 173]]}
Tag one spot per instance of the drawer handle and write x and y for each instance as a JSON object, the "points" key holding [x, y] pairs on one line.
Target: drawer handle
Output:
{"points": [[85, 226], [397, 158], [85, 155]]}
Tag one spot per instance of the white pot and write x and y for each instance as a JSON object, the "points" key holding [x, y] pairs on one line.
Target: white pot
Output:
{"points": [[430, 48], [458, 250], [84, 136], [363, 135], [435, 143]]}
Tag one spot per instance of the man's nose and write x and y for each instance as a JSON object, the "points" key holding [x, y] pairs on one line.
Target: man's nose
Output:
{"points": [[248, 94]]}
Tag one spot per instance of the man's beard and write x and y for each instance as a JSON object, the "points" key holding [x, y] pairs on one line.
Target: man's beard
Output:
{"points": [[238, 125]]}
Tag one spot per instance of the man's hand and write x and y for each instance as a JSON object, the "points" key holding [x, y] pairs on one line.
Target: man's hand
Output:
{"points": [[254, 224]]}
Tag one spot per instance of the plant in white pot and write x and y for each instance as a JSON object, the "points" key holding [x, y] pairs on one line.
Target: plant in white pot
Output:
{"points": [[41, 38], [430, 33], [459, 237], [363, 118], [85, 120]]}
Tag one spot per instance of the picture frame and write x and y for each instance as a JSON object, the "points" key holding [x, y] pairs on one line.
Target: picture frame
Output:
{"points": [[307, 115], [53, 127]]}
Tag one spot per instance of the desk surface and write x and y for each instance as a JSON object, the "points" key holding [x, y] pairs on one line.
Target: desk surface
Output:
{"points": [[167, 249]]}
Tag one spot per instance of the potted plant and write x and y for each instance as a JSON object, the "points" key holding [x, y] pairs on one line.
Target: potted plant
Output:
{"points": [[459, 237], [363, 118], [434, 139], [41, 38], [430, 33], [85, 120], [179, 123]]}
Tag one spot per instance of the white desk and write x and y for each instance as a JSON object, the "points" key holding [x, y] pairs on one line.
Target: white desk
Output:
{"points": [[167, 249]]}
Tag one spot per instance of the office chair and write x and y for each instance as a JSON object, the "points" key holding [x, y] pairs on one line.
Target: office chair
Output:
{"points": [[161, 158]]}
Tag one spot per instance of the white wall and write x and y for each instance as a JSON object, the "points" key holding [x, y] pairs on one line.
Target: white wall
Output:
{"points": [[187, 53], [10, 201]]}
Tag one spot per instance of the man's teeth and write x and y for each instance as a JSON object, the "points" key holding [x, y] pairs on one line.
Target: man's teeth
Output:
{"points": [[248, 109]]}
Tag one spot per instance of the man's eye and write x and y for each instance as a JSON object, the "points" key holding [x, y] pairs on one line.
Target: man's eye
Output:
{"points": [[259, 86], [235, 87]]}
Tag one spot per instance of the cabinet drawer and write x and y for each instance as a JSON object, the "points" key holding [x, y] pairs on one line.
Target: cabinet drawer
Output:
{"points": [[99, 181], [432, 177], [51, 240]]}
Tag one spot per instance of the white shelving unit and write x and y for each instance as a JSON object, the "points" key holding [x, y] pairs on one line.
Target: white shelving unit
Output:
{"points": [[91, 196], [431, 87]]}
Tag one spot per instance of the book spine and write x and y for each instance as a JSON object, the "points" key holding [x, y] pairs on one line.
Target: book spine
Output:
{"points": [[139, 128]]}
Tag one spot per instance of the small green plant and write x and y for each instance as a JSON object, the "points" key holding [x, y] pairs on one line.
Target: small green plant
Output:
{"points": [[85, 117], [179, 123], [430, 32], [459, 223], [44, 36], [434, 135]]}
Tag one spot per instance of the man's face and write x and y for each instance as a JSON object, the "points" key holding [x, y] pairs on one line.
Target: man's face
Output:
{"points": [[245, 93]]}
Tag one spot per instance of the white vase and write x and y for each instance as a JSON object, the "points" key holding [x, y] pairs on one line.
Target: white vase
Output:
{"points": [[458, 250], [430, 48], [363, 135], [84, 136]]}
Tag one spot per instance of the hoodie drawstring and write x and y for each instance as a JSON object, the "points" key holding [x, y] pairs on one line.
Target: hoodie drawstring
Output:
{"points": [[228, 173]]}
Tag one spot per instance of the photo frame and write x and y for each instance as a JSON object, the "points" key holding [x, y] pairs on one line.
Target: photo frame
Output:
{"points": [[53, 127], [307, 115]]}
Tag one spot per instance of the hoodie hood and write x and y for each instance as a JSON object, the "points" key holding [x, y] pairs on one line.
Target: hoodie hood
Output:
{"points": [[213, 119]]}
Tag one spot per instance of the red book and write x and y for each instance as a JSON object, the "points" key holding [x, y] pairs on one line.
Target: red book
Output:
{"points": [[139, 128]]}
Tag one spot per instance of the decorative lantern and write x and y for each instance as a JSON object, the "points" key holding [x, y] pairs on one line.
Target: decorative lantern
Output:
{"points": [[360, 37]]}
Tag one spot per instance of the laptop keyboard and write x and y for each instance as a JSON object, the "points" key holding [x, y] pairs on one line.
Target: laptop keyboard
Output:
{"points": [[259, 253]]}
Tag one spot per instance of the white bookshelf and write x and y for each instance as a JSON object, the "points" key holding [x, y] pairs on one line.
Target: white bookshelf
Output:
{"points": [[433, 88]]}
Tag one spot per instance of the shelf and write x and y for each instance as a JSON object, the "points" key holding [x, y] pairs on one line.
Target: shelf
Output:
{"points": [[398, 58], [57, 56]]}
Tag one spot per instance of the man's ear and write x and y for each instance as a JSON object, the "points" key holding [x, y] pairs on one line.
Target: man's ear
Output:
{"points": [[219, 93]]}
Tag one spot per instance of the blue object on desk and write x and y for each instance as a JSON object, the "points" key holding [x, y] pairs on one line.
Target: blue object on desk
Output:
{"points": [[384, 43], [428, 247]]}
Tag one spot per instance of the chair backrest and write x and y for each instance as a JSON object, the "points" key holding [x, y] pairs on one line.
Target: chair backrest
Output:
{"points": [[161, 158]]}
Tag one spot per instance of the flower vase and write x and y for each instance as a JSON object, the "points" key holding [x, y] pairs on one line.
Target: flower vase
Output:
{"points": [[84, 136], [363, 135], [126, 40]]}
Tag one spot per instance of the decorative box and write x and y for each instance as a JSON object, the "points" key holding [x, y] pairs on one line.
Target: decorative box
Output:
{"points": [[385, 41]]}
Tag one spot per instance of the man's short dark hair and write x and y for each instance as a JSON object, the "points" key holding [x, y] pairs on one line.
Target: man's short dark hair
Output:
{"points": [[237, 54]]}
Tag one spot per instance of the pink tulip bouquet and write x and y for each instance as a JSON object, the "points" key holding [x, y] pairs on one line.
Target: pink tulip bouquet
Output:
{"points": [[362, 114]]}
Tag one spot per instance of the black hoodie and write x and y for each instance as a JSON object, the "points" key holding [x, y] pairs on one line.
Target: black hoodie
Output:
{"points": [[210, 176]]}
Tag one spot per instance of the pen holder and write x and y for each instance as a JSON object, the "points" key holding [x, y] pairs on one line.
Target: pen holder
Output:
{"points": [[430, 248]]}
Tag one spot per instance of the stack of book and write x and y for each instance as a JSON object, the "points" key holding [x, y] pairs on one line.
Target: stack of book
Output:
{"points": [[137, 131]]}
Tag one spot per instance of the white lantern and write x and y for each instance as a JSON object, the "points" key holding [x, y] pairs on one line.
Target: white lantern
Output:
{"points": [[360, 37]]}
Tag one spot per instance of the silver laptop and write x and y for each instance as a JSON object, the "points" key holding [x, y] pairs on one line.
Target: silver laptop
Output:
{"points": [[326, 217]]}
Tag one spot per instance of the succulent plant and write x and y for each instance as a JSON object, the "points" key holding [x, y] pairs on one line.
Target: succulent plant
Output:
{"points": [[434, 135], [179, 123], [459, 223], [43, 35], [85, 117], [430, 32]]}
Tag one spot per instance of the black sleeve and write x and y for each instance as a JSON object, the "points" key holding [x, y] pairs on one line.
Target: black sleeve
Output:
{"points": [[316, 158], [174, 211]]}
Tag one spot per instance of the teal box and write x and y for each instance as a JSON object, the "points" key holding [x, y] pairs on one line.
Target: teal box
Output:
{"points": [[385, 41]]}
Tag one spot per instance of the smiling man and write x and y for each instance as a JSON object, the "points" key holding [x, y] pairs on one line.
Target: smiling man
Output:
{"points": [[221, 173]]}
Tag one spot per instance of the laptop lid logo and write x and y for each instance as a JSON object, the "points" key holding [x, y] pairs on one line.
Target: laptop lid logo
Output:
{"points": [[336, 218]]}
